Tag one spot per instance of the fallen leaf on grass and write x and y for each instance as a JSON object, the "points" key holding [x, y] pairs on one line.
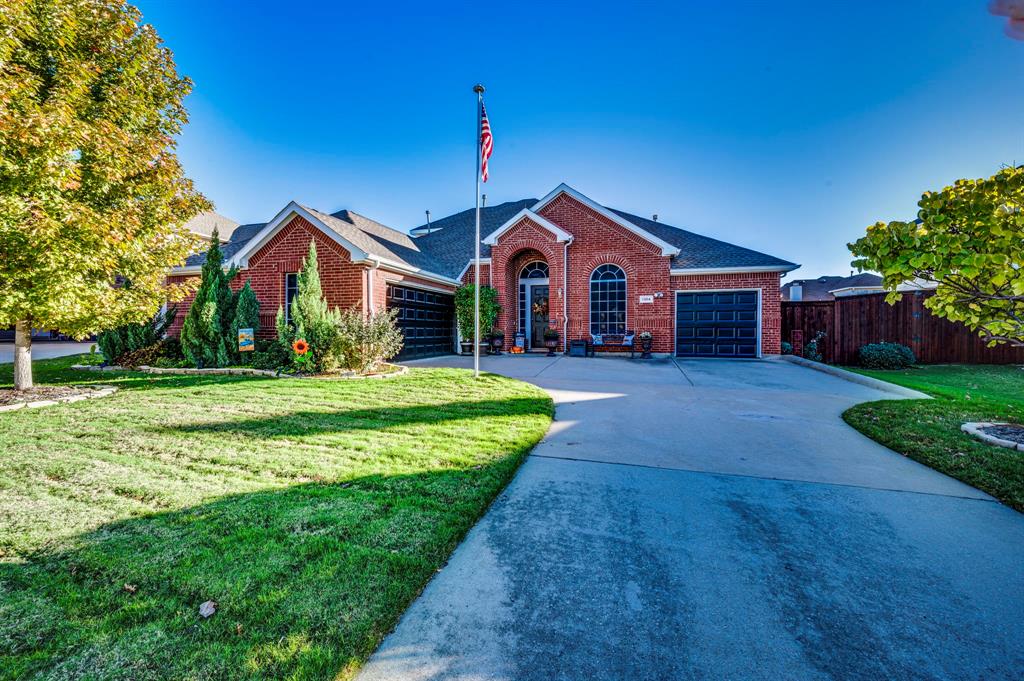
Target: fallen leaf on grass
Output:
{"points": [[131, 588], [207, 609]]}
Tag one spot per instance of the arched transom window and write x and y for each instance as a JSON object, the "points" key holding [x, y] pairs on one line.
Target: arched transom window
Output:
{"points": [[608, 300], [535, 270]]}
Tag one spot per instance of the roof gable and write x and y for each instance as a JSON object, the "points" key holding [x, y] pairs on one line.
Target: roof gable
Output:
{"points": [[527, 214], [667, 249]]}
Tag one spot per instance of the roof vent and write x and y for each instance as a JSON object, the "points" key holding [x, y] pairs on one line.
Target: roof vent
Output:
{"points": [[483, 200], [655, 217]]}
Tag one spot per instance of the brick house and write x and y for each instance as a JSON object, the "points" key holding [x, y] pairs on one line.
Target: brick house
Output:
{"points": [[563, 261]]}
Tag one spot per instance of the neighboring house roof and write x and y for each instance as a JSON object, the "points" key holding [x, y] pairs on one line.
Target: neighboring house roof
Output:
{"points": [[822, 288], [204, 223]]}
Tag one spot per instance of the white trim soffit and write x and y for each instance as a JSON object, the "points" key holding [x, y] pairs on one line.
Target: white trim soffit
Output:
{"points": [[731, 270], [666, 248]]}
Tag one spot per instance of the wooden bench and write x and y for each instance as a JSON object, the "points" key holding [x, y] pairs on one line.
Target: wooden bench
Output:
{"points": [[611, 340]]}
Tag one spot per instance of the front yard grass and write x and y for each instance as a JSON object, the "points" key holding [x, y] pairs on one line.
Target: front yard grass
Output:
{"points": [[929, 430], [311, 511]]}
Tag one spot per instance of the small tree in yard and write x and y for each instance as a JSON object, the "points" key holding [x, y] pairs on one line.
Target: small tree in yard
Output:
{"points": [[969, 240], [464, 303], [364, 341], [311, 318], [92, 197], [204, 333], [247, 314]]}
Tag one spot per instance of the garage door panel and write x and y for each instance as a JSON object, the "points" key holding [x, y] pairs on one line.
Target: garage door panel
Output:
{"points": [[717, 324], [426, 319]]}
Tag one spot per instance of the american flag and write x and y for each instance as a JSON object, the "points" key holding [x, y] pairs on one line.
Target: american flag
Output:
{"points": [[486, 141]]}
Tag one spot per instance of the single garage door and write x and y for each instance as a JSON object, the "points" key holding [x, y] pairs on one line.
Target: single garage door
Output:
{"points": [[716, 324], [426, 318]]}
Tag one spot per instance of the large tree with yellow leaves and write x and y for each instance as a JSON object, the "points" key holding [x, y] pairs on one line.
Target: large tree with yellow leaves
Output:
{"points": [[93, 199]]}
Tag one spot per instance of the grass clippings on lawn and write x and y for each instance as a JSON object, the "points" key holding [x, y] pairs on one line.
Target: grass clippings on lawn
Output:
{"points": [[310, 512], [929, 430]]}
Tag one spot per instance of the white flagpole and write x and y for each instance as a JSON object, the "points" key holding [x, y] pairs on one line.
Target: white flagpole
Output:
{"points": [[479, 90]]}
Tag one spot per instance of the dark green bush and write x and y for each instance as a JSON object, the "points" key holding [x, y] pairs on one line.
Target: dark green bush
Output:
{"points": [[885, 356], [787, 348], [270, 355], [812, 350], [128, 338]]}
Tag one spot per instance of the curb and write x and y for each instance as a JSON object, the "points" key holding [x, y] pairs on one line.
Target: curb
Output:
{"points": [[850, 376], [974, 430]]}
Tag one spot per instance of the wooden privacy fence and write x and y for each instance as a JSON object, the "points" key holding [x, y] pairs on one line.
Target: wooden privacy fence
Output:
{"points": [[853, 321]]}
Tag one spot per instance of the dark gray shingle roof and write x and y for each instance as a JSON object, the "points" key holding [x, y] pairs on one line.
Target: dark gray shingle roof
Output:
{"points": [[699, 252], [240, 237], [818, 289]]}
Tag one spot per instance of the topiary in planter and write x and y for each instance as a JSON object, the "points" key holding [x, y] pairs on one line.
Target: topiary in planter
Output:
{"points": [[885, 356]]}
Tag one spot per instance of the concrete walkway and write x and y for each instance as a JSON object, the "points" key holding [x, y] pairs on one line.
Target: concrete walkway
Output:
{"points": [[716, 519]]}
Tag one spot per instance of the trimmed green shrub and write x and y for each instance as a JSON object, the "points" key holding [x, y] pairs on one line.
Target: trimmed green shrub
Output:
{"points": [[885, 356], [489, 309], [311, 318], [812, 349], [204, 332], [247, 316], [116, 343], [787, 348], [365, 341]]}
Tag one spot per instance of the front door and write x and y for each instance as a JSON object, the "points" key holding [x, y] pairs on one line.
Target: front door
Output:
{"points": [[538, 315]]}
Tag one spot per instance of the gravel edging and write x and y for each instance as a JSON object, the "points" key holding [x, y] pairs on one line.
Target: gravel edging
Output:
{"points": [[97, 392], [867, 381], [974, 429], [239, 371]]}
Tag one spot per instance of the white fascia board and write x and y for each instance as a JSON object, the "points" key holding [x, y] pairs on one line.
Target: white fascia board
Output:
{"points": [[402, 268], [560, 234], [241, 259], [483, 261], [186, 269], [731, 270], [853, 289], [666, 248]]}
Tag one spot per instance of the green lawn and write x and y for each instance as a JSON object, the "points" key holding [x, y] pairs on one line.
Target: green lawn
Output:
{"points": [[311, 511], [929, 430]]}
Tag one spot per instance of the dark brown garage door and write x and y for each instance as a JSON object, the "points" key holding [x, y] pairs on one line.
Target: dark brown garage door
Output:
{"points": [[716, 324], [426, 318]]}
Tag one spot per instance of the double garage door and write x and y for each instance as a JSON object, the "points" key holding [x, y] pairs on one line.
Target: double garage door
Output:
{"points": [[426, 318], [716, 324]]}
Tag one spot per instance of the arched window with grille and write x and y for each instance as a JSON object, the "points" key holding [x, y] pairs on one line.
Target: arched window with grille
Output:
{"points": [[608, 300]]}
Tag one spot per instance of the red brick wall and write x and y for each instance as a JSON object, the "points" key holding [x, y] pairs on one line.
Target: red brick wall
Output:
{"points": [[343, 282], [485, 274], [597, 241], [771, 306]]}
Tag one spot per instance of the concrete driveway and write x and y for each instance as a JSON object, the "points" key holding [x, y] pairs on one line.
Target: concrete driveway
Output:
{"points": [[716, 519], [44, 349]]}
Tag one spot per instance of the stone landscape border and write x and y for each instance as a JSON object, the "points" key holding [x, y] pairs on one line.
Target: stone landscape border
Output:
{"points": [[235, 371], [97, 392], [974, 429]]}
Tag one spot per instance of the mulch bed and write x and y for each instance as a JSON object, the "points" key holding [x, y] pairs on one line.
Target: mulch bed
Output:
{"points": [[56, 392], [1010, 432]]}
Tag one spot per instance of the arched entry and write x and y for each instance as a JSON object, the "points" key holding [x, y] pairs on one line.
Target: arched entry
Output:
{"points": [[534, 302]]}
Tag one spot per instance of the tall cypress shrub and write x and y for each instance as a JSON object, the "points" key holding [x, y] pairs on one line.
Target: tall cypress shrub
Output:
{"points": [[247, 316], [203, 332], [311, 318]]}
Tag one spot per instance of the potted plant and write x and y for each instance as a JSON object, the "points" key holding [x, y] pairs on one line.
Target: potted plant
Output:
{"points": [[489, 309], [646, 340], [551, 340], [497, 340]]}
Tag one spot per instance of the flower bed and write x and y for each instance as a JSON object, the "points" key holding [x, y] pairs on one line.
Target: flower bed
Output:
{"points": [[392, 370], [47, 396]]}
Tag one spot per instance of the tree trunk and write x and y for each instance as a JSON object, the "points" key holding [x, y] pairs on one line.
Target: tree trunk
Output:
{"points": [[23, 355]]}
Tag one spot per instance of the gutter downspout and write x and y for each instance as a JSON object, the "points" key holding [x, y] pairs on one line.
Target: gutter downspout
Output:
{"points": [[369, 284], [565, 297]]}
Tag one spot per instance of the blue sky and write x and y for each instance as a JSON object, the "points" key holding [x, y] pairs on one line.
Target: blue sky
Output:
{"points": [[783, 126]]}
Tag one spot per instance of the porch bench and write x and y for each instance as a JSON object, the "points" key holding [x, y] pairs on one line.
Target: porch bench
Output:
{"points": [[611, 340]]}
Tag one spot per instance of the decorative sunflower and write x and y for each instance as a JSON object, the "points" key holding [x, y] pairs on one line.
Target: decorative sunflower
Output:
{"points": [[300, 347]]}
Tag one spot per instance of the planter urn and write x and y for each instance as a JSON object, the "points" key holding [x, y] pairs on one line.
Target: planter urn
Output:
{"points": [[645, 347], [466, 347], [551, 344], [497, 342]]}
